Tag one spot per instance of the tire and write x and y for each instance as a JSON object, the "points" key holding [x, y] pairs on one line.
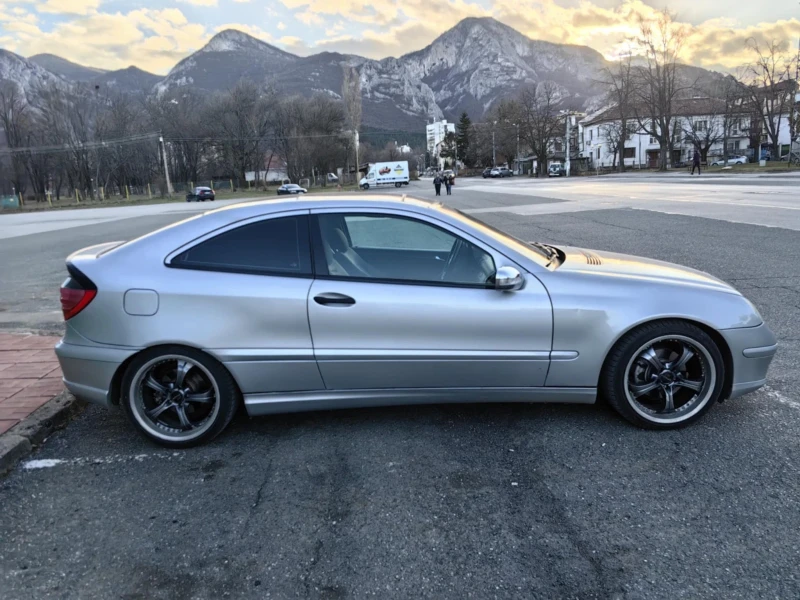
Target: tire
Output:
{"points": [[203, 376], [365, 186], [692, 392]]}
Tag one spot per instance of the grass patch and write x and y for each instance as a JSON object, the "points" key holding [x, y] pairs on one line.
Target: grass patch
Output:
{"points": [[114, 201]]}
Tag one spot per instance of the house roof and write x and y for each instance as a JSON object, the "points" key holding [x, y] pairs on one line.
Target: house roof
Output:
{"points": [[682, 107]]}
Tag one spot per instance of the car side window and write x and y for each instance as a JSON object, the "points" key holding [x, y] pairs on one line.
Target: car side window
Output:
{"points": [[272, 247], [396, 248]]}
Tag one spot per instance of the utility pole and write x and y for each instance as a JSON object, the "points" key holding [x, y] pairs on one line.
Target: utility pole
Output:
{"points": [[358, 171], [166, 167], [455, 144], [566, 162], [494, 155], [518, 169]]}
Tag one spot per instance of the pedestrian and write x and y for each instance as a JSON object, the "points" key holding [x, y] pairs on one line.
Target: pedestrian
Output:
{"points": [[437, 184], [696, 162], [448, 183]]}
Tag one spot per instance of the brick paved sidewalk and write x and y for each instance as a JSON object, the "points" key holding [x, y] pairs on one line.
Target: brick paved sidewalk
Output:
{"points": [[29, 376]]}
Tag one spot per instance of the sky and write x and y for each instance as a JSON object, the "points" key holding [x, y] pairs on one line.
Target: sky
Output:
{"points": [[155, 34]]}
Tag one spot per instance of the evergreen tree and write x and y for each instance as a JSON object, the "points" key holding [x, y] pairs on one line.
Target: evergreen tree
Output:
{"points": [[462, 136]]}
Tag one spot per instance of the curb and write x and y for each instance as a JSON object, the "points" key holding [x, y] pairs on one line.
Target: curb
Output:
{"points": [[21, 440]]}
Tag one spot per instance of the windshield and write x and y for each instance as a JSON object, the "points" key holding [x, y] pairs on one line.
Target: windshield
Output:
{"points": [[537, 254]]}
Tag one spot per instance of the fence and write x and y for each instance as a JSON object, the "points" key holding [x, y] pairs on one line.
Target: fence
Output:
{"points": [[156, 191]]}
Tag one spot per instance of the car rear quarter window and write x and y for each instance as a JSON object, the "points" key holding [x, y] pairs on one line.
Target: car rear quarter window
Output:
{"points": [[270, 247]]}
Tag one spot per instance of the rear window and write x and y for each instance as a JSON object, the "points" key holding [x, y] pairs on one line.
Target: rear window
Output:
{"points": [[273, 246]]}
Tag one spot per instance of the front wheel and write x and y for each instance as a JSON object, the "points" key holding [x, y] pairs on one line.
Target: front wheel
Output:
{"points": [[365, 186], [663, 375], [178, 397]]}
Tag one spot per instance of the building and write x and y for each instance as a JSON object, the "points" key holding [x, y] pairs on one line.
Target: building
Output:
{"points": [[696, 122], [436, 132], [274, 170]]}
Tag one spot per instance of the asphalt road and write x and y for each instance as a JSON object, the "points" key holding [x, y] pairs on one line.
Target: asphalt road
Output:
{"points": [[485, 501]]}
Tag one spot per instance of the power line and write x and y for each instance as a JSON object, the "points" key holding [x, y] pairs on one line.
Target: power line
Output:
{"points": [[78, 146], [136, 139]]}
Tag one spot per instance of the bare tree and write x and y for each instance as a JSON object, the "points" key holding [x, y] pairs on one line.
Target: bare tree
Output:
{"points": [[16, 120], [180, 118], [615, 135], [310, 135], [657, 83], [351, 98], [771, 87], [540, 122], [240, 121], [619, 81]]}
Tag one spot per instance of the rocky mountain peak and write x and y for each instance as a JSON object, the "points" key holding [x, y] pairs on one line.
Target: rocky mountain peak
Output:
{"points": [[233, 40]]}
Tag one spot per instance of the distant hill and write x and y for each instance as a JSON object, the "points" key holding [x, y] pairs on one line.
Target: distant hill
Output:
{"points": [[65, 68], [469, 67]]}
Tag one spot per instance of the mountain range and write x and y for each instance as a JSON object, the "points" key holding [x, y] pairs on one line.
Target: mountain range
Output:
{"points": [[467, 68]]}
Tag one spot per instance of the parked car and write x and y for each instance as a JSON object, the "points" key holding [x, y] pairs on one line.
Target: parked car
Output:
{"points": [[556, 170], [495, 172], [505, 172], [333, 178], [200, 194], [487, 172], [282, 307], [291, 188], [732, 160]]}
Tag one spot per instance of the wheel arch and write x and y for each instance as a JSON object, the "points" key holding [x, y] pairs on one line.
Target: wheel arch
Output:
{"points": [[719, 340], [115, 389]]}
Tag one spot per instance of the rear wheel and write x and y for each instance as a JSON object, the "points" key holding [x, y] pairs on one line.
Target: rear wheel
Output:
{"points": [[663, 375], [178, 397]]}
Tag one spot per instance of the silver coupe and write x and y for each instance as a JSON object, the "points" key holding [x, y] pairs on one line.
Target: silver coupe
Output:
{"points": [[339, 302]]}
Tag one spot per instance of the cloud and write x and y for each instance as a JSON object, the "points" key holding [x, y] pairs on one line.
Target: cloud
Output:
{"points": [[309, 18], [335, 29], [69, 7], [154, 40], [92, 32]]}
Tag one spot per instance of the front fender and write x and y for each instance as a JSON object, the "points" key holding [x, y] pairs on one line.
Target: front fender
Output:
{"points": [[590, 314]]}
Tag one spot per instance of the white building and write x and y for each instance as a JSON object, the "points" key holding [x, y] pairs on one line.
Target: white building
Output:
{"points": [[436, 133], [700, 119]]}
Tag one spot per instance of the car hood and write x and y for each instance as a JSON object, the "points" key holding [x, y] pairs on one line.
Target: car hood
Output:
{"points": [[612, 264]]}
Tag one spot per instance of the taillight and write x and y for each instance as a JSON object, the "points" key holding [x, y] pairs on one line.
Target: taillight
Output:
{"points": [[76, 293]]}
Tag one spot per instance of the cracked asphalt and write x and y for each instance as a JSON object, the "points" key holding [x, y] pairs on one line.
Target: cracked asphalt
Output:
{"points": [[479, 501]]}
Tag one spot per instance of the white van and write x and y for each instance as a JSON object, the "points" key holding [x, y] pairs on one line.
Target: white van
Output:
{"points": [[386, 173]]}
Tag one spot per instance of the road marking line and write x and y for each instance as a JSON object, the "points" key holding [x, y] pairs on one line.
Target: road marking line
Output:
{"points": [[776, 395], [49, 463]]}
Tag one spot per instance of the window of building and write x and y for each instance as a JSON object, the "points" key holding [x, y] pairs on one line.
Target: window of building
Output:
{"points": [[701, 125], [598, 153], [629, 153], [272, 246], [653, 140]]}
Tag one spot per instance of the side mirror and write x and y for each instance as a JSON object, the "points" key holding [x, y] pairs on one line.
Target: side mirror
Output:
{"points": [[508, 279]]}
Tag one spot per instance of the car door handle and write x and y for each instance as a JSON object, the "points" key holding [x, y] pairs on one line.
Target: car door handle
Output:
{"points": [[334, 298]]}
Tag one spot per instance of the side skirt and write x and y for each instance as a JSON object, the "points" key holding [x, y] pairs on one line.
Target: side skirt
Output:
{"points": [[281, 402]]}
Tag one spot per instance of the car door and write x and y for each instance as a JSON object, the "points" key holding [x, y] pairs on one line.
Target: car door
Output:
{"points": [[240, 293], [401, 301]]}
